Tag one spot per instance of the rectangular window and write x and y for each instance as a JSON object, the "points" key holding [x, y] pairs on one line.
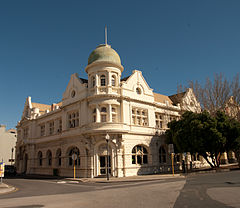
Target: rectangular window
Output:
{"points": [[60, 125], [114, 114], [103, 118], [51, 127], [139, 117], [159, 120], [114, 118], [42, 130], [73, 119]]}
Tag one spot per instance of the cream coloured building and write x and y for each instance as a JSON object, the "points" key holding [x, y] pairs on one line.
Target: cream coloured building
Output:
{"points": [[127, 109], [8, 140]]}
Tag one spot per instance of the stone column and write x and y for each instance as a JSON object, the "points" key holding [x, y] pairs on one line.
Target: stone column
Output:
{"points": [[98, 113], [96, 83], [109, 113], [90, 163], [109, 79]]}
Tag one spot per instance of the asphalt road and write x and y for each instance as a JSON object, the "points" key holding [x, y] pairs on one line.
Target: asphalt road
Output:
{"points": [[202, 190], [52, 193], [219, 190]]}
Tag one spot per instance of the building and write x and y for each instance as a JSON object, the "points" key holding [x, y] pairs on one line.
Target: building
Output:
{"points": [[8, 139], [127, 109]]}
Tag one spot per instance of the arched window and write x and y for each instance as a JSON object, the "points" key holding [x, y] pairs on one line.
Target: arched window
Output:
{"points": [[93, 83], [40, 158], [58, 157], [72, 151], [162, 155], [49, 158], [139, 155], [103, 114], [103, 80], [113, 80]]}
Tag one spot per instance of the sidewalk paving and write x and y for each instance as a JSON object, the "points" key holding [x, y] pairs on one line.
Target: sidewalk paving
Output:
{"points": [[4, 188], [127, 179]]}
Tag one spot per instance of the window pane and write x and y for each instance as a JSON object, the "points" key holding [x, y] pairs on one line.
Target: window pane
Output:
{"points": [[113, 81], [144, 150], [114, 118], [103, 83], [139, 159], [145, 159], [139, 148], [134, 150], [103, 109], [103, 118]]}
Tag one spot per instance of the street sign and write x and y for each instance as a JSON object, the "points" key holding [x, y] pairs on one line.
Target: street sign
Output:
{"points": [[74, 157], [2, 168]]}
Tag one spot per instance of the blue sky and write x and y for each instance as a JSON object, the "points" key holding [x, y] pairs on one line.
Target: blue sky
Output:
{"points": [[171, 41]]}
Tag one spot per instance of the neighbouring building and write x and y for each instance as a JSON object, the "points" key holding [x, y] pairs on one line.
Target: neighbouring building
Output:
{"points": [[8, 139], [127, 109]]}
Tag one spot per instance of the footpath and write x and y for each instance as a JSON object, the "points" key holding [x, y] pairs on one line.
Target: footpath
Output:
{"points": [[4, 188], [127, 179]]}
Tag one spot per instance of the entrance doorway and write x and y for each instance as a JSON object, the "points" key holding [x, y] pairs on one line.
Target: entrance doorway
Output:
{"points": [[103, 165]]}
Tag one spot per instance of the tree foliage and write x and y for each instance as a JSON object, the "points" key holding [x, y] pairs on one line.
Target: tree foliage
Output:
{"points": [[207, 135]]}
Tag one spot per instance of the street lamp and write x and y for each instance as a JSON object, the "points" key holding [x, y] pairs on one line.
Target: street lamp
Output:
{"points": [[107, 137]]}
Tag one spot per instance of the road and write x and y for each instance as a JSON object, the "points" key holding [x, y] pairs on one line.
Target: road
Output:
{"points": [[219, 190], [51, 193], [202, 190]]}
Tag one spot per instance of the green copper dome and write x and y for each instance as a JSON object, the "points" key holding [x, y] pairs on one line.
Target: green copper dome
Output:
{"points": [[104, 53]]}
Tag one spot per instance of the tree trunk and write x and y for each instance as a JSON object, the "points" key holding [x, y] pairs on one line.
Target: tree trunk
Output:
{"points": [[206, 158]]}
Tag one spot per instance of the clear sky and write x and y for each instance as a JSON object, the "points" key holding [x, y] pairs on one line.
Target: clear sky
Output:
{"points": [[171, 41]]}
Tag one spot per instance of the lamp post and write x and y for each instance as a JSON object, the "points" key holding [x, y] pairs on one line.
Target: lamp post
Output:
{"points": [[107, 137], [171, 151]]}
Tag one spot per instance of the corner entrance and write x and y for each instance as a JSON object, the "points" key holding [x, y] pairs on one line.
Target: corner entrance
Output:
{"points": [[103, 165]]}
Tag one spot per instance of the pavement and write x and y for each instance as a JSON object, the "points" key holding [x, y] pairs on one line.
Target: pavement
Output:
{"points": [[127, 179], [4, 188]]}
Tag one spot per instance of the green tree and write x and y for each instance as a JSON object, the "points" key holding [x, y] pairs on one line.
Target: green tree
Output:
{"points": [[207, 135]]}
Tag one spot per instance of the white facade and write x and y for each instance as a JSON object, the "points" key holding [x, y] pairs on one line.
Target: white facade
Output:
{"points": [[8, 140], [127, 109]]}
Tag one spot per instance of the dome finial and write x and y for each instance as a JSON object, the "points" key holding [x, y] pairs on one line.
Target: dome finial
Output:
{"points": [[105, 34]]}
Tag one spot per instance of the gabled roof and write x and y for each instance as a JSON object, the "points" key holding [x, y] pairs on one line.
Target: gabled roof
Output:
{"points": [[161, 98], [177, 98]]}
